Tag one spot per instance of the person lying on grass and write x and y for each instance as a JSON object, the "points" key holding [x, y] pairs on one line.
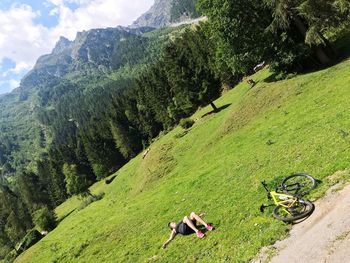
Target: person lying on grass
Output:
{"points": [[187, 227]]}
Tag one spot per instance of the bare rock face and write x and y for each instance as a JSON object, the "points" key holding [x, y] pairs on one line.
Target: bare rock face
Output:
{"points": [[61, 45], [166, 12], [94, 49], [158, 16]]}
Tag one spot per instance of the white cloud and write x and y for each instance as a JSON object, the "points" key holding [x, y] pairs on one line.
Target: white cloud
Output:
{"points": [[20, 39], [23, 41], [21, 66], [13, 84], [96, 14]]}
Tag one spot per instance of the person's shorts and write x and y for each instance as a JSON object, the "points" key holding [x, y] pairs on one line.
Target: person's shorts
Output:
{"points": [[184, 229]]}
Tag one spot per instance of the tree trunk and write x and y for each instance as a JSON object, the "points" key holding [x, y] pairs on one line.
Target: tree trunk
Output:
{"points": [[329, 45], [300, 26], [320, 53], [322, 56], [215, 109]]}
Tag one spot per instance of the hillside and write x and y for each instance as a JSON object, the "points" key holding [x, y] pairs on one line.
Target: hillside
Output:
{"points": [[261, 133], [96, 56]]}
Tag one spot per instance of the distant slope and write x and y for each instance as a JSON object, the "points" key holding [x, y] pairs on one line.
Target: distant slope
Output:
{"points": [[96, 52], [165, 12], [92, 51], [94, 57], [22, 138], [265, 133]]}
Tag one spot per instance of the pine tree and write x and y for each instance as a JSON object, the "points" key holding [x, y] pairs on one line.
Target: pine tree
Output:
{"points": [[76, 183], [15, 219], [32, 190]]}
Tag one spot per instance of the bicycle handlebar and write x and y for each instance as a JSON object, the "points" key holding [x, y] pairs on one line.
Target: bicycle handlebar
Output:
{"points": [[265, 186], [267, 190]]}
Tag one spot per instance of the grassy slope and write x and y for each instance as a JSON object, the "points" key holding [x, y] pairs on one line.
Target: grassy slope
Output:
{"points": [[217, 168]]}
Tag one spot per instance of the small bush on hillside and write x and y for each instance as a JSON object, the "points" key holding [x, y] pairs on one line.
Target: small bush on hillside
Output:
{"points": [[5, 249], [180, 134], [10, 257], [90, 199], [186, 123], [45, 219], [31, 238]]}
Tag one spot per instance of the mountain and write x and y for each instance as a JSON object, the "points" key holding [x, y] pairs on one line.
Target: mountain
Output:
{"points": [[97, 52], [91, 51], [94, 57], [166, 12]]}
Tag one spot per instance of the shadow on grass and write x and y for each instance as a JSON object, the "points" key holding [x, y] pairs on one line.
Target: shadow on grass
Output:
{"points": [[318, 182], [219, 109], [61, 219], [110, 180], [272, 78], [254, 84]]}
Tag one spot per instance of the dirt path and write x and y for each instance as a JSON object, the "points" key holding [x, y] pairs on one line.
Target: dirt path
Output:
{"points": [[323, 237]]}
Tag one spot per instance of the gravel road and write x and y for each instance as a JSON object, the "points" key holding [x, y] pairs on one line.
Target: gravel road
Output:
{"points": [[323, 237]]}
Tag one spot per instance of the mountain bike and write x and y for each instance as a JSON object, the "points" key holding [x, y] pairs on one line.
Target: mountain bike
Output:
{"points": [[288, 198]]}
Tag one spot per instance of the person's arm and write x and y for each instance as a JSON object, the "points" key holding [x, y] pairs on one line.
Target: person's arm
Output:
{"points": [[172, 236]]}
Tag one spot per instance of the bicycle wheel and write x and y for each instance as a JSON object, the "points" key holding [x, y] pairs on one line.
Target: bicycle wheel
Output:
{"points": [[299, 210], [298, 184]]}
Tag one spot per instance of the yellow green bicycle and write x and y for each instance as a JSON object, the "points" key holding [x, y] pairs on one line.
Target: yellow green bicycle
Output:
{"points": [[288, 198]]}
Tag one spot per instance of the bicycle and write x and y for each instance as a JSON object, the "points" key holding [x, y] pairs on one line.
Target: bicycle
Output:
{"points": [[288, 198]]}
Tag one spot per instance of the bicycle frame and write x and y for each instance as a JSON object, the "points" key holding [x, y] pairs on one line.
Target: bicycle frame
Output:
{"points": [[289, 206], [284, 200]]}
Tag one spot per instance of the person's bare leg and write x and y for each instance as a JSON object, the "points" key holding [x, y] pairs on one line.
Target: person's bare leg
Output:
{"points": [[189, 222], [194, 216]]}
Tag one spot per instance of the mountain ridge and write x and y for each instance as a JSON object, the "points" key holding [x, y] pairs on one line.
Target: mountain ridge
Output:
{"points": [[166, 12], [91, 58]]}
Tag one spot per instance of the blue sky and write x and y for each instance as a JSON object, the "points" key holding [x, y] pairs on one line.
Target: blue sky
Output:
{"points": [[44, 8], [29, 28]]}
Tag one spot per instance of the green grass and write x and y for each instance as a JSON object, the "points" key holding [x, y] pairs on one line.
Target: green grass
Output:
{"points": [[216, 167]]}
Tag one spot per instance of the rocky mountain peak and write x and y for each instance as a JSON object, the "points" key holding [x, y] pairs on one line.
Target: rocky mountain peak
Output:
{"points": [[62, 44], [166, 12]]}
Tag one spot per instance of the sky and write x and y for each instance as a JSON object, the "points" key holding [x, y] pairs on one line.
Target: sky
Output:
{"points": [[30, 28]]}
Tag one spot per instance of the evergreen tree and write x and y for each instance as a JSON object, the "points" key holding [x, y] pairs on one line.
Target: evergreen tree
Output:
{"points": [[32, 190], [240, 29], [312, 19], [76, 183], [121, 135], [45, 218], [190, 71], [14, 215]]}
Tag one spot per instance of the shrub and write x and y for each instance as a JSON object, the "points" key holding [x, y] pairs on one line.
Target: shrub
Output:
{"points": [[186, 123], [45, 219], [5, 249], [30, 239], [180, 134], [10, 257], [90, 199]]}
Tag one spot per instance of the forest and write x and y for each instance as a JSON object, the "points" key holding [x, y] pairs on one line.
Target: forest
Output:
{"points": [[93, 124]]}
